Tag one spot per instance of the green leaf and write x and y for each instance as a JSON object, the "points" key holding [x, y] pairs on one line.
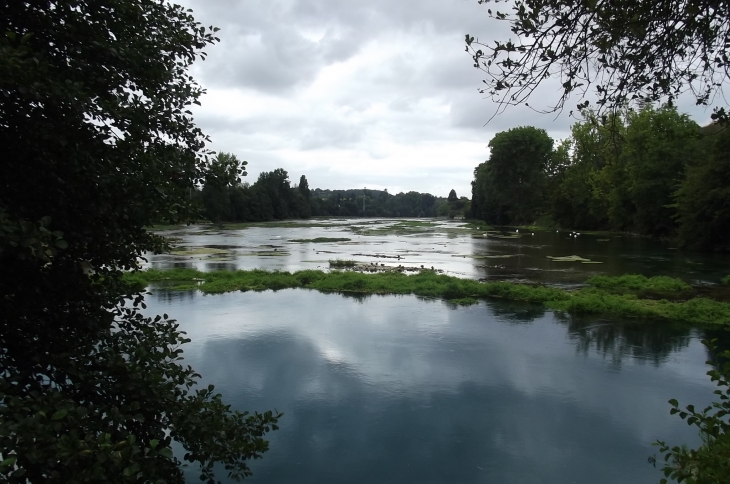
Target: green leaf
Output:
{"points": [[59, 414], [165, 452]]}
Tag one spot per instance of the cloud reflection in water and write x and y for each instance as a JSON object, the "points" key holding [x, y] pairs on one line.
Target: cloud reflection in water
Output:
{"points": [[397, 389]]}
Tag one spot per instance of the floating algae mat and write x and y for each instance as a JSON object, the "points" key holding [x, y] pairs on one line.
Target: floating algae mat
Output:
{"points": [[320, 240], [198, 251], [573, 258], [500, 235]]}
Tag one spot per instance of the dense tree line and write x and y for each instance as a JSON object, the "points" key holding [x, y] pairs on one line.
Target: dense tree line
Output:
{"points": [[273, 197], [651, 171]]}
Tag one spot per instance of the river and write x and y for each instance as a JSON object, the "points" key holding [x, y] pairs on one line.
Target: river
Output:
{"points": [[399, 389]]}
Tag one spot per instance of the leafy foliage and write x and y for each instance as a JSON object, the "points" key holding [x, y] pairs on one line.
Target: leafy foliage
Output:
{"points": [[99, 142], [643, 51], [510, 187], [651, 172], [703, 200]]}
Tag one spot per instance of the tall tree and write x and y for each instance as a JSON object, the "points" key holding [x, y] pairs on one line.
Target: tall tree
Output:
{"points": [[222, 176], [304, 188], [627, 50], [511, 185], [703, 200], [276, 186], [659, 144], [98, 143]]}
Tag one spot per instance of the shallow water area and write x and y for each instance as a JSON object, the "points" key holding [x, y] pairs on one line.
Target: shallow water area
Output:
{"points": [[398, 389], [561, 258]]}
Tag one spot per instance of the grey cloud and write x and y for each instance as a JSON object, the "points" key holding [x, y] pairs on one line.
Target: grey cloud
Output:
{"points": [[310, 132], [476, 111], [264, 45]]}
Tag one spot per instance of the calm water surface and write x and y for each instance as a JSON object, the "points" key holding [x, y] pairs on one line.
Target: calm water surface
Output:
{"points": [[398, 390]]}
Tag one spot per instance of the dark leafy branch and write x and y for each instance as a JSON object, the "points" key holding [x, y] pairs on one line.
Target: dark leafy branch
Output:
{"points": [[628, 51]]}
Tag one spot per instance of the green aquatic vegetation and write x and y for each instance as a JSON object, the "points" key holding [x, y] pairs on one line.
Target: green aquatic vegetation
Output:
{"points": [[415, 223], [321, 240], [637, 282], [275, 224], [266, 253], [618, 296], [402, 227], [475, 225], [726, 280], [568, 258], [503, 235], [591, 301], [340, 263]]}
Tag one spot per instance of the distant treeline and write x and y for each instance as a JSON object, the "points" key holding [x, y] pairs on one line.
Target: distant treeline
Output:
{"points": [[653, 172], [273, 197]]}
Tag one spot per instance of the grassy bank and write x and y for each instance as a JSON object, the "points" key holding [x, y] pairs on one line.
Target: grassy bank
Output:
{"points": [[625, 296]]}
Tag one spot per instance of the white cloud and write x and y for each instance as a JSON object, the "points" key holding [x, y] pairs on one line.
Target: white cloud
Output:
{"points": [[360, 93]]}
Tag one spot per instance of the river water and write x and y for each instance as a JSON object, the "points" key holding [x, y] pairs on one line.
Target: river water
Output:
{"points": [[397, 389], [520, 256]]}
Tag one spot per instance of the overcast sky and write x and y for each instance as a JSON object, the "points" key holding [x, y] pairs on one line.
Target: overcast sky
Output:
{"points": [[357, 93]]}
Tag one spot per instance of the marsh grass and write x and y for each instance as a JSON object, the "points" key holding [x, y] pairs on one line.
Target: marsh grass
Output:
{"points": [[618, 296]]}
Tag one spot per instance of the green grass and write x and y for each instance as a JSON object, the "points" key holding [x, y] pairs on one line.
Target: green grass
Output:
{"points": [[320, 240], [617, 296]]}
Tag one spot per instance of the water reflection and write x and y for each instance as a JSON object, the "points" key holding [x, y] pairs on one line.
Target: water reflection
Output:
{"points": [[406, 390], [651, 342], [517, 312], [220, 266]]}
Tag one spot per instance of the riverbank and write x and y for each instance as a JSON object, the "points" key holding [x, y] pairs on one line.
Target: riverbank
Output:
{"points": [[632, 296]]}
